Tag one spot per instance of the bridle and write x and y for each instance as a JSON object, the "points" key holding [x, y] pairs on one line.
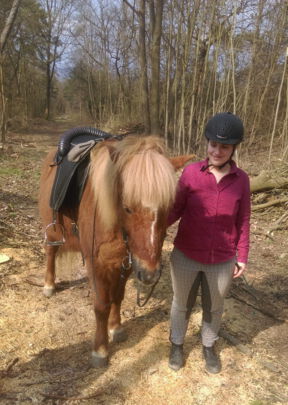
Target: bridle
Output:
{"points": [[126, 266]]}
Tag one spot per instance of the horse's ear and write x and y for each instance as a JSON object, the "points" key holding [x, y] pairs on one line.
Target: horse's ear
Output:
{"points": [[179, 161]]}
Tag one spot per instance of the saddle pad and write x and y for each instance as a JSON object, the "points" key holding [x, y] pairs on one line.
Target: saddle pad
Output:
{"points": [[71, 174]]}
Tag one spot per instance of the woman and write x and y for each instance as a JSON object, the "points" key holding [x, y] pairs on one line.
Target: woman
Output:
{"points": [[212, 243]]}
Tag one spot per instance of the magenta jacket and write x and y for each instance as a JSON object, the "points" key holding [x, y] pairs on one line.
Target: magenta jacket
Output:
{"points": [[214, 224]]}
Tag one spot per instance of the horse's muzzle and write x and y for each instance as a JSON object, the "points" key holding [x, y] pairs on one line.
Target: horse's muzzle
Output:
{"points": [[147, 277]]}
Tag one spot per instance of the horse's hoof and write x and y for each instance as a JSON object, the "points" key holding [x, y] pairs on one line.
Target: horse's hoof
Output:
{"points": [[97, 361], [48, 291], [118, 335]]}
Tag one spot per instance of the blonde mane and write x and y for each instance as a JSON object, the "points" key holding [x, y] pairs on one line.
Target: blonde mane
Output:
{"points": [[139, 170]]}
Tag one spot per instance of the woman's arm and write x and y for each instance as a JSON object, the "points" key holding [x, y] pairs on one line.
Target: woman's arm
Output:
{"points": [[243, 225]]}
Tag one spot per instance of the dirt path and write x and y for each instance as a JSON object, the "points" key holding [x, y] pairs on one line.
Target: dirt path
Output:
{"points": [[45, 343]]}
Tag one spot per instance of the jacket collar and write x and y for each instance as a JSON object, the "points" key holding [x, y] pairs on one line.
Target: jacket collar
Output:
{"points": [[233, 167]]}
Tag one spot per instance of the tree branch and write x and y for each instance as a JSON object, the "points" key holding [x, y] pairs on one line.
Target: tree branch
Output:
{"points": [[9, 24], [264, 181], [269, 204], [132, 8]]}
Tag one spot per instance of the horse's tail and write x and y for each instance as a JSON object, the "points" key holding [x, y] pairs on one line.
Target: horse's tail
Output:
{"points": [[69, 263]]}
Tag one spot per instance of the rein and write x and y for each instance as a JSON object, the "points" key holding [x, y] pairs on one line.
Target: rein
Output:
{"points": [[126, 265]]}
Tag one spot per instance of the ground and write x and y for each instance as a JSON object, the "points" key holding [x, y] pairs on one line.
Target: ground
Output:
{"points": [[45, 343]]}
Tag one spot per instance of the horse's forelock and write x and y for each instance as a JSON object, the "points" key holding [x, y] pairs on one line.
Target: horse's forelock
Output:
{"points": [[148, 177]]}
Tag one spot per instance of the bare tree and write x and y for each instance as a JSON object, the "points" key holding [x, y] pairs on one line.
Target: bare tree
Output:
{"points": [[150, 88], [143, 66], [215, 56], [156, 14], [3, 40], [9, 24], [51, 50]]}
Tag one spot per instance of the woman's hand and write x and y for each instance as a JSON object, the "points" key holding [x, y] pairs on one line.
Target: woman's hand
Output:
{"points": [[239, 269]]}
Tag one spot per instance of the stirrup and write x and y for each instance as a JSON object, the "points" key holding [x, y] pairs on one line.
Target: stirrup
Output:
{"points": [[56, 242]]}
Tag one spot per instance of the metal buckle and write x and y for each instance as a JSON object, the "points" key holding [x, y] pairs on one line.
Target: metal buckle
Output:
{"points": [[127, 261]]}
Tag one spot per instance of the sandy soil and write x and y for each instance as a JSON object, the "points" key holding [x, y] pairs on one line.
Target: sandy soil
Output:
{"points": [[45, 343]]}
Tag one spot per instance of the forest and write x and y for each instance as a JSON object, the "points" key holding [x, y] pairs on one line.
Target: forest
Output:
{"points": [[141, 67], [164, 66]]}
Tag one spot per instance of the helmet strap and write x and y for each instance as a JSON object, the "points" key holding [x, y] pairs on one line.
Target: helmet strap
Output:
{"points": [[224, 164]]}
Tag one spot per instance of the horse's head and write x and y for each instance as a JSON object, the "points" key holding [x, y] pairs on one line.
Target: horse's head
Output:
{"points": [[146, 189], [144, 230], [143, 184]]}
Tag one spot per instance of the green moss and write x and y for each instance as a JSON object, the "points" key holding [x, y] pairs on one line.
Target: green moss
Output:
{"points": [[10, 171]]}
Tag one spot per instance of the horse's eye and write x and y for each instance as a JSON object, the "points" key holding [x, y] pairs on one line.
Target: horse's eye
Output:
{"points": [[128, 210]]}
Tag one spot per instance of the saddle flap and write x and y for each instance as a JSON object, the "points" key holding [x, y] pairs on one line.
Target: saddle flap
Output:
{"points": [[71, 175]]}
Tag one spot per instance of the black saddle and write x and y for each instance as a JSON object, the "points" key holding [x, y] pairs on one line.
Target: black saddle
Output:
{"points": [[72, 159]]}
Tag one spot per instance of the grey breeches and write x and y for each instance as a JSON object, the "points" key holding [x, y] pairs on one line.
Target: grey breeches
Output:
{"points": [[215, 280]]}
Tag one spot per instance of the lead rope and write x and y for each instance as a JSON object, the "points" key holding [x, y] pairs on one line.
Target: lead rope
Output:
{"points": [[144, 302]]}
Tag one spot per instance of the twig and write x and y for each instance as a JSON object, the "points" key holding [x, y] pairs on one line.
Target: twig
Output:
{"points": [[46, 380], [269, 204], [277, 224], [247, 288], [245, 350], [138, 12], [81, 398], [16, 230], [269, 236], [263, 311], [10, 243], [9, 395], [39, 382], [235, 342], [9, 367], [36, 283]]}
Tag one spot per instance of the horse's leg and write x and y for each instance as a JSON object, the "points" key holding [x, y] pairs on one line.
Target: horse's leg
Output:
{"points": [[102, 308], [49, 285], [116, 330]]}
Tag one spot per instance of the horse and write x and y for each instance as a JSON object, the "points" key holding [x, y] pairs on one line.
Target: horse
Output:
{"points": [[119, 225]]}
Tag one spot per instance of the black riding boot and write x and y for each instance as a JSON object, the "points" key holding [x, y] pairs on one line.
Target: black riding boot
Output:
{"points": [[212, 361], [176, 360]]}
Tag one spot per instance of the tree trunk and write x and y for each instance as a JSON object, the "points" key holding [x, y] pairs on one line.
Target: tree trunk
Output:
{"points": [[264, 181], [156, 14], [48, 91], [3, 105], [277, 109], [3, 40], [143, 67], [9, 24]]}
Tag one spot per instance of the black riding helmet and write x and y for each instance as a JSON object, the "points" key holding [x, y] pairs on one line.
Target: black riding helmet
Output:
{"points": [[225, 128]]}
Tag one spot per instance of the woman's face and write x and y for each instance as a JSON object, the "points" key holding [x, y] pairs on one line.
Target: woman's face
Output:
{"points": [[219, 153]]}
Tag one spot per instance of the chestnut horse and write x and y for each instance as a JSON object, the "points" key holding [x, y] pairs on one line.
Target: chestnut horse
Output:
{"points": [[121, 220]]}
